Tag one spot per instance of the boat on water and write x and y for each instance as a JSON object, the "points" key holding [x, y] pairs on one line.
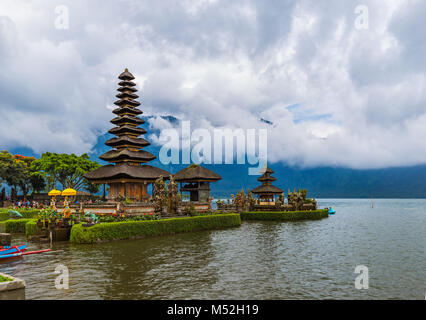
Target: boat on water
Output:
{"points": [[12, 249], [17, 251], [331, 210]]}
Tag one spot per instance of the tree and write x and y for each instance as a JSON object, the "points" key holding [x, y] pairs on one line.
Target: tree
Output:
{"points": [[38, 182], [24, 173], [16, 172], [10, 170], [67, 169], [90, 187]]}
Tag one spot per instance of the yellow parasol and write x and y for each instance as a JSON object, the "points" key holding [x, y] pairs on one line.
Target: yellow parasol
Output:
{"points": [[69, 192], [54, 193]]}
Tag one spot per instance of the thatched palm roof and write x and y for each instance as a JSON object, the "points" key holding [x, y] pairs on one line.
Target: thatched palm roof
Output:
{"points": [[196, 172], [126, 171], [126, 75], [125, 154], [267, 189], [129, 141]]}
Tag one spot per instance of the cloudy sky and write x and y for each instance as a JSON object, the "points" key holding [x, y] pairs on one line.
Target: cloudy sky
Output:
{"points": [[336, 94]]}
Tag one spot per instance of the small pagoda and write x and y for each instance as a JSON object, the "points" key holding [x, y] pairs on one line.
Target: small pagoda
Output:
{"points": [[267, 192], [128, 174], [196, 179]]}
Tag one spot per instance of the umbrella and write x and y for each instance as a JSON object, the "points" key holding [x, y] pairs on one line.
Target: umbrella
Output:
{"points": [[54, 193], [69, 192]]}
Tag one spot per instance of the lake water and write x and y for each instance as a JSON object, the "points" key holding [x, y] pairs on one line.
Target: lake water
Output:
{"points": [[259, 260]]}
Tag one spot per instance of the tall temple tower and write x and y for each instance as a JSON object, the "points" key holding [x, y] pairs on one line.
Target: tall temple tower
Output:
{"points": [[127, 175]]}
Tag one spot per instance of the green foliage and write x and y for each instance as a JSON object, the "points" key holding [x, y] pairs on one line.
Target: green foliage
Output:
{"points": [[192, 212], [4, 279], [16, 172], [26, 213], [67, 169], [14, 226], [121, 217], [285, 216], [139, 229], [304, 193], [31, 228]]}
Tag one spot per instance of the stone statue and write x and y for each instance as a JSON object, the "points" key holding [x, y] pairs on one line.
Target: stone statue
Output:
{"points": [[173, 196], [250, 199], [160, 200]]}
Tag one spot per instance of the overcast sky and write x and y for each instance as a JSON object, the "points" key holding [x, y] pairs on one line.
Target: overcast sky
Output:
{"points": [[336, 94]]}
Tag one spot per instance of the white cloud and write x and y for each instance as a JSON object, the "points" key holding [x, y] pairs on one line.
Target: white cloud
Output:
{"points": [[357, 96]]}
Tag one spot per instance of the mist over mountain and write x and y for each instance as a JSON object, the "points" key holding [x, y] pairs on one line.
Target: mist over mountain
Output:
{"points": [[322, 182]]}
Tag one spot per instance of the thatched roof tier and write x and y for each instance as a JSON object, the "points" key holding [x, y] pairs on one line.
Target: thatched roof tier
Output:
{"points": [[127, 110], [127, 130], [126, 119], [140, 156], [266, 189], [126, 75], [127, 102], [127, 142], [127, 95], [266, 177], [196, 172], [126, 83], [123, 171], [127, 89]]}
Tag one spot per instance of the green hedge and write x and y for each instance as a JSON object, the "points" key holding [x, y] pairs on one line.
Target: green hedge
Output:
{"points": [[136, 229], [285, 216], [31, 228], [26, 213], [14, 226]]}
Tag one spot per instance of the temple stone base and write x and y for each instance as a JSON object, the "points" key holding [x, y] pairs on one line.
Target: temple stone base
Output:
{"points": [[130, 209]]}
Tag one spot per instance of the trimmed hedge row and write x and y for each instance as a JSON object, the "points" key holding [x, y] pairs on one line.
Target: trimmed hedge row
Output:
{"points": [[15, 226], [31, 228], [139, 229], [26, 213], [285, 216]]}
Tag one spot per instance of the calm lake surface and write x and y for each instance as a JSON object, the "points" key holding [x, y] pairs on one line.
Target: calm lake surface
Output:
{"points": [[259, 260]]}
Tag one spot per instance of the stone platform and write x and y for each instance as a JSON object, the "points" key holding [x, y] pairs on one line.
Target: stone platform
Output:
{"points": [[12, 290]]}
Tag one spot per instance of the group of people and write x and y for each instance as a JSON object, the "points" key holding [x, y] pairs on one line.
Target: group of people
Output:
{"points": [[30, 204]]}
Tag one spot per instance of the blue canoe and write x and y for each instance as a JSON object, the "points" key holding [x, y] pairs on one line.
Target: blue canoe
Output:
{"points": [[21, 253], [331, 211], [11, 250]]}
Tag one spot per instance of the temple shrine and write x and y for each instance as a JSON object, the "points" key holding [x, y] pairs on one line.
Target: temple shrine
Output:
{"points": [[196, 180], [128, 175], [267, 192]]}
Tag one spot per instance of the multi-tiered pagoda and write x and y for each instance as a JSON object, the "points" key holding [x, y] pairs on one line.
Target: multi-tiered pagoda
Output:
{"points": [[128, 174], [267, 192]]}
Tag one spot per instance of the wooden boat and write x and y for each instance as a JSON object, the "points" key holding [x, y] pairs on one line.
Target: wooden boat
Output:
{"points": [[20, 254], [12, 249]]}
